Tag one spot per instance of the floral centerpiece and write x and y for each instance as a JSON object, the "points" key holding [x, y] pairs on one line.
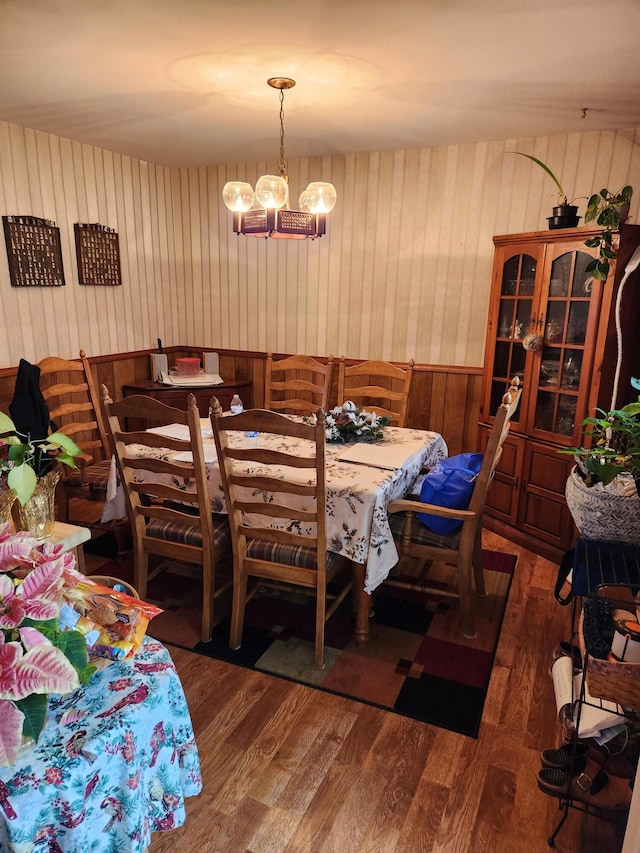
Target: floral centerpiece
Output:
{"points": [[36, 656], [24, 459], [348, 423]]}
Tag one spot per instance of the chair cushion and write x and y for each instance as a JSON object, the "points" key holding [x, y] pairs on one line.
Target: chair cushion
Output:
{"points": [[421, 534], [186, 534], [290, 555], [94, 478], [449, 484]]}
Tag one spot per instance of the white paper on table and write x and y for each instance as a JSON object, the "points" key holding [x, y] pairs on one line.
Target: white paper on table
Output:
{"points": [[390, 456], [189, 381], [210, 454], [181, 431]]}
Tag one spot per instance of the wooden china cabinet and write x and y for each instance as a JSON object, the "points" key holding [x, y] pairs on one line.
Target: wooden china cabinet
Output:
{"points": [[553, 325]]}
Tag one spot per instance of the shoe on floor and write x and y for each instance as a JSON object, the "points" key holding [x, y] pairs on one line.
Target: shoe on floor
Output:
{"points": [[592, 786], [561, 758]]}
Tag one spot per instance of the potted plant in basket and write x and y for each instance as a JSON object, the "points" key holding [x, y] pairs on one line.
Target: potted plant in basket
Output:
{"points": [[609, 210], [606, 477]]}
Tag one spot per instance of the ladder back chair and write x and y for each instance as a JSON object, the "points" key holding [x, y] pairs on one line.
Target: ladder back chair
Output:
{"points": [[298, 385], [274, 498], [463, 547], [377, 385], [71, 396], [167, 497]]}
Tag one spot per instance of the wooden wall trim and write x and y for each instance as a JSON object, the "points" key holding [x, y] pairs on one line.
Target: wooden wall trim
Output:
{"points": [[443, 398]]}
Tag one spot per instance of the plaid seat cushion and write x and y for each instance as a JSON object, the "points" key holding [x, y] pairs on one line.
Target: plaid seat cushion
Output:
{"points": [[421, 534], [95, 476], [186, 534], [290, 555]]}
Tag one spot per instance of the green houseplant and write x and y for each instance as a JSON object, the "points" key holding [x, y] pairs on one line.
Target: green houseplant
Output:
{"points": [[564, 214], [615, 444], [602, 490], [25, 460], [609, 210]]}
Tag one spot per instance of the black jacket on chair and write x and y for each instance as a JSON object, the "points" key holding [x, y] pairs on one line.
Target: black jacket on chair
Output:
{"points": [[28, 408]]}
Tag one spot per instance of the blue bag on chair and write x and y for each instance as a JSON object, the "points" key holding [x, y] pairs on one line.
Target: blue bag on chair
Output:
{"points": [[449, 484]]}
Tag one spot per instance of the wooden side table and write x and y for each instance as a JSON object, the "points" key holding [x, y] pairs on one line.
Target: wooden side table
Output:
{"points": [[72, 537], [177, 397]]}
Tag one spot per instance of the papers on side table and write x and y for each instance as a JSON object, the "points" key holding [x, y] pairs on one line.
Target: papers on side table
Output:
{"points": [[190, 381]]}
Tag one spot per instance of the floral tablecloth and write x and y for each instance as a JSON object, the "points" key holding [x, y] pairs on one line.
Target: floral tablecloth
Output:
{"points": [[357, 494], [113, 764]]}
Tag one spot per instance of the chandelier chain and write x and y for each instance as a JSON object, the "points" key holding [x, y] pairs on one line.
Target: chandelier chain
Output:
{"points": [[282, 167]]}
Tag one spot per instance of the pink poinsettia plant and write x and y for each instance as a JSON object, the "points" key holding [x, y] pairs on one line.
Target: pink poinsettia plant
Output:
{"points": [[36, 657]]}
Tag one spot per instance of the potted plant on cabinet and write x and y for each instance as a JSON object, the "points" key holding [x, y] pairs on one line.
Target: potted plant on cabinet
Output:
{"points": [[609, 210], [602, 490], [565, 215]]}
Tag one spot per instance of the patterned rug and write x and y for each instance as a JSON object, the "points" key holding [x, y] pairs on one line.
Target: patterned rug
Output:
{"points": [[416, 663]]}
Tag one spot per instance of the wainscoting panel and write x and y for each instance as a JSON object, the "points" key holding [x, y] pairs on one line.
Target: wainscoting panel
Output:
{"points": [[443, 399]]}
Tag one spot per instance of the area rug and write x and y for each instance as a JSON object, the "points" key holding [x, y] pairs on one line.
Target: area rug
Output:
{"points": [[416, 663]]}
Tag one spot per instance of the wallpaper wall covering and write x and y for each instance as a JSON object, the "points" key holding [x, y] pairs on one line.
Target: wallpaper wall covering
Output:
{"points": [[403, 272]]}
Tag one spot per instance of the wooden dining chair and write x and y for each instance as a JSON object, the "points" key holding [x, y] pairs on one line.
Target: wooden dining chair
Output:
{"points": [[463, 547], [170, 516], [71, 396], [298, 385], [377, 385], [276, 499]]}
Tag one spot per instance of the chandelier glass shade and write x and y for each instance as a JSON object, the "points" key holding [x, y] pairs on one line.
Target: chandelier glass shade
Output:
{"points": [[264, 212]]}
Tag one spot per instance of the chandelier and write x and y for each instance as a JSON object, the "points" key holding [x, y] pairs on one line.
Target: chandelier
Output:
{"points": [[265, 211]]}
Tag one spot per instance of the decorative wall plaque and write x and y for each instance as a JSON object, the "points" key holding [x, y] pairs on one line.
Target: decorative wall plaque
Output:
{"points": [[98, 254], [33, 250]]}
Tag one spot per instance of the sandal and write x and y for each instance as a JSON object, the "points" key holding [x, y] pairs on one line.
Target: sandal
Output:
{"points": [[592, 786], [614, 763]]}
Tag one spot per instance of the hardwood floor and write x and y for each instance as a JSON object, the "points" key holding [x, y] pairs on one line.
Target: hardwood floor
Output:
{"points": [[288, 768]]}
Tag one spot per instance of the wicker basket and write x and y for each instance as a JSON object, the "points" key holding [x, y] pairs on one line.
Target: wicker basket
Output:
{"points": [[613, 680], [603, 515], [106, 580]]}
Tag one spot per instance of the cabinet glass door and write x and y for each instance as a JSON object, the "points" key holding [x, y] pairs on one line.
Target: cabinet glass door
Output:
{"points": [[562, 356], [515, 321]]}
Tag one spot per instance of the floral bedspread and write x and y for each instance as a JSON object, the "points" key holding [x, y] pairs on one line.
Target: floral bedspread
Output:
{"points": [[113, 764]]}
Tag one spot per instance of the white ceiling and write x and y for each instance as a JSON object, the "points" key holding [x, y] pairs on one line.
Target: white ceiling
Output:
{"points": [[183, 82]]}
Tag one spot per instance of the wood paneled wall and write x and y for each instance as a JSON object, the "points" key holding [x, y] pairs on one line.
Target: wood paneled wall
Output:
{"points": [[403, 272], [443, 399]]}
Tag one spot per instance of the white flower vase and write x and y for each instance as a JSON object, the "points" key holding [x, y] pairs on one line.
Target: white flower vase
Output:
{"points": [[38, 514]]}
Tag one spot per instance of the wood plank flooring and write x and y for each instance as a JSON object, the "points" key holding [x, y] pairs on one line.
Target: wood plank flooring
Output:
{"points": [[290, 769]]}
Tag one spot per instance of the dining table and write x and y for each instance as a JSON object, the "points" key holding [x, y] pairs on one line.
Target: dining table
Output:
{"points": [[361, 478], [113, 764]]}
